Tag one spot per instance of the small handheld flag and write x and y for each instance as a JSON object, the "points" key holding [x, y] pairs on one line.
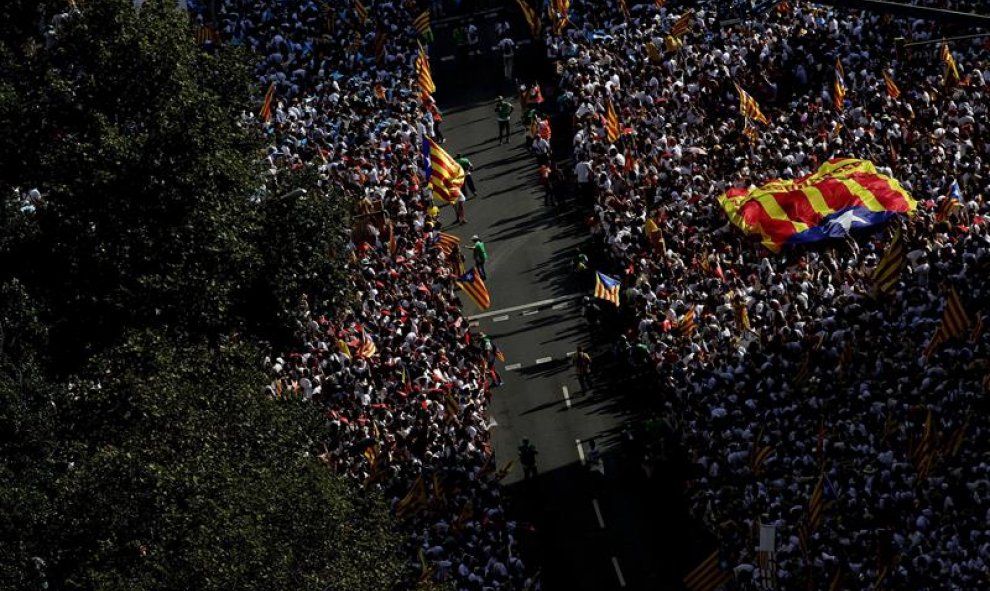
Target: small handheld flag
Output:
{"points": [[612, 129], [443, 173], [266, 105], [474, 286], [888, 270], [839, 87], [422, 25], [423, 74], [607, 288], [749, 107], [892, 90]]}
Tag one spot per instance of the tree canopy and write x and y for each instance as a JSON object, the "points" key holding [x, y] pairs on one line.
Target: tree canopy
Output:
{"points": [[153, 207], [137, 450], [169, 471]]}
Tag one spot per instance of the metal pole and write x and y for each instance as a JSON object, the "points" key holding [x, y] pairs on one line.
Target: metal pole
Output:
{"points": [[934, 41]]}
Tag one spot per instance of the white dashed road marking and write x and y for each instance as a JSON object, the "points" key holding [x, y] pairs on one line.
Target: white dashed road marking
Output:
{"points": [[580, 450], [530, 312], [567, 396], [447, 58], [539, 304], [513, 366], [500, 318], [560, 305], [598, 513], [618, 572], [543, 360]]}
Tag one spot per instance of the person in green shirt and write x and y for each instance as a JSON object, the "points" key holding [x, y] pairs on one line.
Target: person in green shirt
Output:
{"points": [[468, 167], [460, 40], [480, 255], [503, 111]]}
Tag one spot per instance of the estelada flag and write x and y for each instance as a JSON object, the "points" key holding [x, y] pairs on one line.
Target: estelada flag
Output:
{"points": [[844, 194], [443, 173], [474, 286]]}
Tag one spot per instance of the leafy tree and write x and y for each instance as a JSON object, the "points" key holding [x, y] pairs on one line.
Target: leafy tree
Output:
{"points": [[153, 202], [158, 464], [169, 471], [303, 240]]}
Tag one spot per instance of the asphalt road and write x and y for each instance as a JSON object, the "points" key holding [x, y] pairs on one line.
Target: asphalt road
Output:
{"points": [[591, 529]]}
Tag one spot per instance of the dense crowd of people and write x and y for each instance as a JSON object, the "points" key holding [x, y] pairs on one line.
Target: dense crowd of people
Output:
{"points": [[796, 351], [404, 383]]}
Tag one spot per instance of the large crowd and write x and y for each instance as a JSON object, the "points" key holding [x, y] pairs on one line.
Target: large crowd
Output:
{"points": [[796, 351], [404, 383]]}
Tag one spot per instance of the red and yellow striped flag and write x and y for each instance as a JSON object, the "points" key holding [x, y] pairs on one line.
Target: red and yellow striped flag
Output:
{"points": [[839, 87], [951, 70], [955, 321], [423, 74], [816, 505], [612, 129], [782, 211], [751, 133], [624, 8], [687, 324], [532, 18], [683, 24], [749, 107], [266, 105], [474, 286], [446, 242], [924, 453], [892, 90], [367, 346], [888, 270], [708, 576], [361, 11], [445, 175]]}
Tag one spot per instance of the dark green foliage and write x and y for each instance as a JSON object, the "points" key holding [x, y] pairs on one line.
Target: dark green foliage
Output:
{"points": [[154, 210], [137, 450], [169, 471]]}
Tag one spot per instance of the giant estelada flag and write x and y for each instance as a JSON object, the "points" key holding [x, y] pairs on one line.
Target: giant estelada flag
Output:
{"points": [[844, 194]]}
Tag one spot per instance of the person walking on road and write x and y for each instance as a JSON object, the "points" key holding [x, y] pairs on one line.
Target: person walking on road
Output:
{"points": [[527, 456], [480, 255], [508, 47], [503, 112], [468, 168], [582, 363], [459, 207]]}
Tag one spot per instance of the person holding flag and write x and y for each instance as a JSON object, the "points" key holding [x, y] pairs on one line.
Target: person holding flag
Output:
{"points": [[468, 168], [480, 255]]}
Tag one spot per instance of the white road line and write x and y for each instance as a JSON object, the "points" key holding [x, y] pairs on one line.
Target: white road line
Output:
{"points": [[618, 572], [571, 353], [598, 513], [500, 318], [513, 366], [539, 304], [543, 360], [567, 396], [472, 324], [560, 305], [580, 450], [447, 58], [530, 312]]}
